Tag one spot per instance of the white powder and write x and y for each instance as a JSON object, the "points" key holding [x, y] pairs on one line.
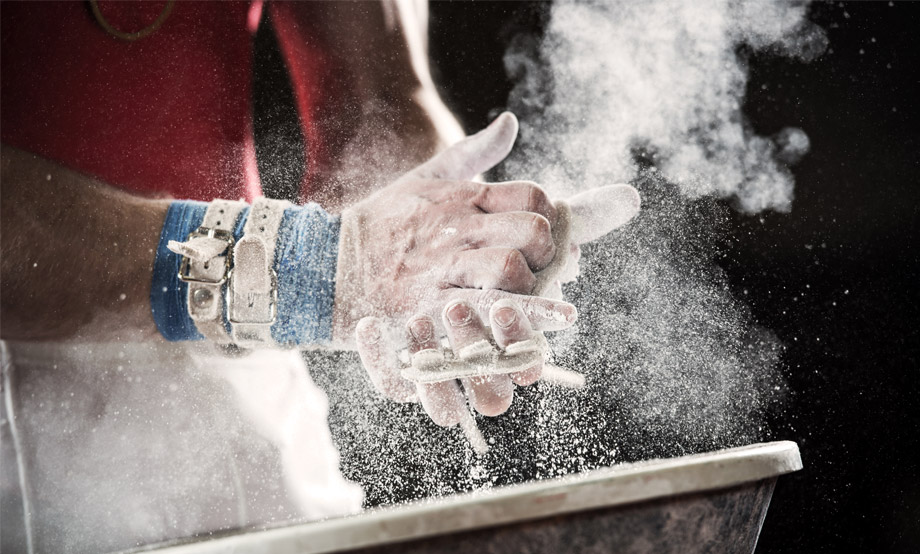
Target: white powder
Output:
{"points": [[648, 92]]}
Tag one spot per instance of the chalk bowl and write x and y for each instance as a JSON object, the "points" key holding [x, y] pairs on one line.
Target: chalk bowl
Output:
{"points": [[713, 502]]}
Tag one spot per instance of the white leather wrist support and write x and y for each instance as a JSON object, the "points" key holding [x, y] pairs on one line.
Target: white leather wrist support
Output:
{"points": [[207, 257], [252, 295], [476, 360]]}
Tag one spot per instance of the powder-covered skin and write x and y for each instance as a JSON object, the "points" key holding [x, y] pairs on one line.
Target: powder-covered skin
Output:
{"points": [[648, 93]]}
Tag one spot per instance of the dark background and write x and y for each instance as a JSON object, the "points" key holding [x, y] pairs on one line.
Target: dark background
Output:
{"points": [[836, 278]]}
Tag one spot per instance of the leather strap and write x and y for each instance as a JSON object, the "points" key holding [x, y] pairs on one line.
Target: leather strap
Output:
{"points": [[252, 296], [207, 267], [476, 360]]}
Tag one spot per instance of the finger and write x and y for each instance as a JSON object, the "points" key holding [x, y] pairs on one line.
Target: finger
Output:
{"points": [[544, 314], [492, 268], [598, 211], [527, 232], [474, 154], [516, 196], [420, 334], [379, 359], [509, 325], [490, 395], [553, 291], [444, 401], [571, 270]]}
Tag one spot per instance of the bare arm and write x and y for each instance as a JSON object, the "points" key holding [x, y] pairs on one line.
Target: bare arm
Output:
{"points": [[401, 120], [77, 255]]}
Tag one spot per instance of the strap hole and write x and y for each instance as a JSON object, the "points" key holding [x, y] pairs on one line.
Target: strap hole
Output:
{"points": [[261, 228], [264, 216], [218, 223], [206, 264], [221, 211]]}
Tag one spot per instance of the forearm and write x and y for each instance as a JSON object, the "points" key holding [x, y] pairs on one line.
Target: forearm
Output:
{"points": [[77, 254], [399, 119]]}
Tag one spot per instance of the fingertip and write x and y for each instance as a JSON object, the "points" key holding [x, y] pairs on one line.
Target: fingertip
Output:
{"points": [[507, 120], [368, 331], [509, 323], [420, 329], [503, 303], [551, 315], [572, 316], [494, 406], [630, 200], [490, 396], [564, 312], [457, 313], [637, 199], [444, 417], [504, 130]]}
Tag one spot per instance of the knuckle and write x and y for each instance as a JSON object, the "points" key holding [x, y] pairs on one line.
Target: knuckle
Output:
{"points": [[481, 192], [513, 263], [541, 240], [525, 283], [485, 299], [537, 201], [541, 228]]}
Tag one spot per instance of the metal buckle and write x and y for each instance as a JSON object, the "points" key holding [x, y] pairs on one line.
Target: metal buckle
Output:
{"points": [[273, 312], [206, 232]]}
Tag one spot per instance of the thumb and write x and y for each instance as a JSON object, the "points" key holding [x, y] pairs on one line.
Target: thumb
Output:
{"points": [[474, 154], [378, 355], [598, 211]]}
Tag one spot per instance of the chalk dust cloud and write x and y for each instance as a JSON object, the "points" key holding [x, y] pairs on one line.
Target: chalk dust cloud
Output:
{"points": [[650, 93]]}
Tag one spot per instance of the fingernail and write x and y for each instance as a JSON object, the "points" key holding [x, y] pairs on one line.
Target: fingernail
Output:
{"points": [[504, 317], [459, 314], [421, 330], [572, 316]]}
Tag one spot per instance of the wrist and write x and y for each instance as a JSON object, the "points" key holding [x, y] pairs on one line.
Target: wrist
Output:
{"points": [[351, 304]]}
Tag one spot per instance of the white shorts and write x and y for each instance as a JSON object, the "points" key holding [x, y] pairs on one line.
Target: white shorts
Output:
{"points": [[110, 446]]}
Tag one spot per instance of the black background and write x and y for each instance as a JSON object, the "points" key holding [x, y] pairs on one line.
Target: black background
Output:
{"points": [[836, 278]]}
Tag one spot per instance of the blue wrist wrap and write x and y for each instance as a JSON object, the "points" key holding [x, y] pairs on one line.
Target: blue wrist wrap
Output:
{"points": [[168, 294], [305, 262]]}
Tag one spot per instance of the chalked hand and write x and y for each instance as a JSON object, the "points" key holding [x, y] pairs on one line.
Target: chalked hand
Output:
{"points": [[433, 237], [510, 350], [489, 361]]}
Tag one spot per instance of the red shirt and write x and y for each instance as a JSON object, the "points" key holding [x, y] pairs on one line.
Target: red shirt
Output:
{"points": [[167, 114]]}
